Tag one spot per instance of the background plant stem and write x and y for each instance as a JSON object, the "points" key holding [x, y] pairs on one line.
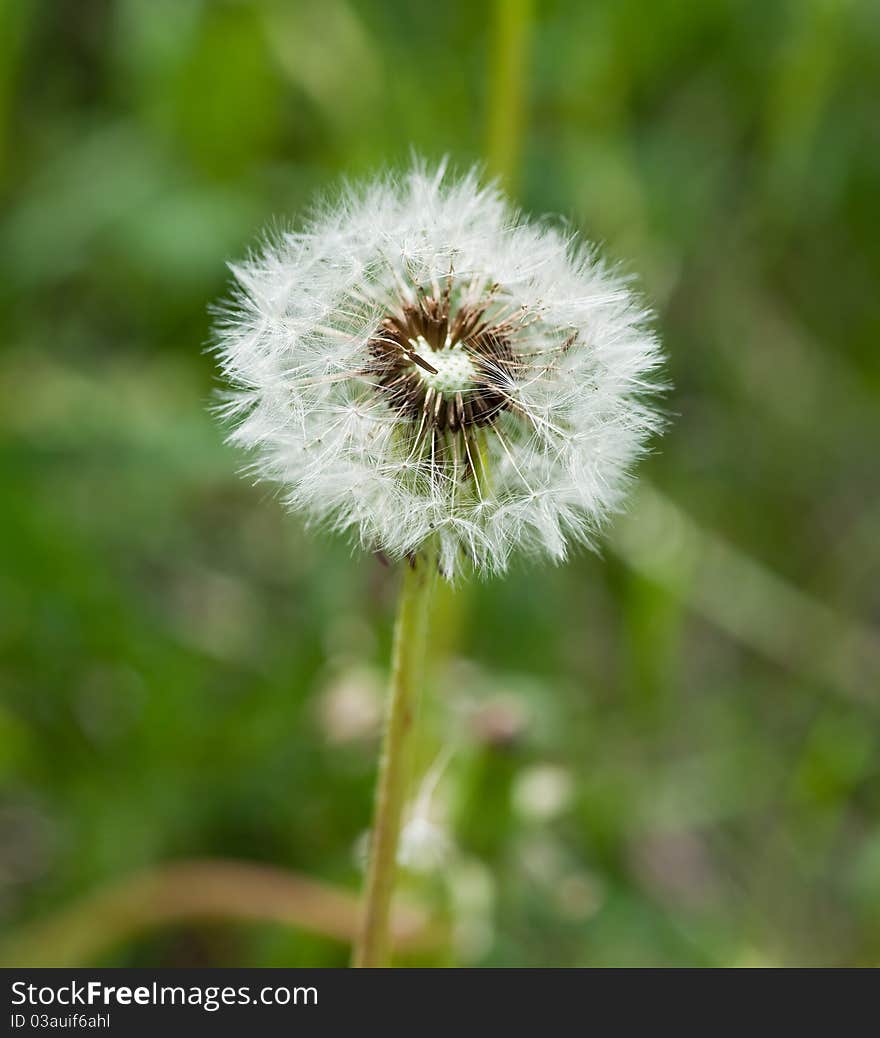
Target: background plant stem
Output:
{"points": [[506, 87], [373, 945], [511, 33]]}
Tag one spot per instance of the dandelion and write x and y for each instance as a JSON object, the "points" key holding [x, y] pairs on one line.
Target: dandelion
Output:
{"points": [[451, 384], [418, 362]]}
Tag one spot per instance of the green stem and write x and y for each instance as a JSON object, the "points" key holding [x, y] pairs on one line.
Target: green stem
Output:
{"points": [[507, 88], [419, 578]]}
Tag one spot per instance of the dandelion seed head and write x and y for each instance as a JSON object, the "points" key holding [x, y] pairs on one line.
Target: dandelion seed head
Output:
{"points": [[418, 361]]}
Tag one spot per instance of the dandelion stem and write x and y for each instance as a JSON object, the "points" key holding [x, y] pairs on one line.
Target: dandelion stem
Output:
{"points": [[373, 946]]}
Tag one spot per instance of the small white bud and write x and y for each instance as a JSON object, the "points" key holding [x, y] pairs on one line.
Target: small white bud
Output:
{"points": [[542, 792], [424, 846]]}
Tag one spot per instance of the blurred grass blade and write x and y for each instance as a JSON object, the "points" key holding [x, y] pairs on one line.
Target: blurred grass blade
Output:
{"points": [[196, 891], [746, 600]]}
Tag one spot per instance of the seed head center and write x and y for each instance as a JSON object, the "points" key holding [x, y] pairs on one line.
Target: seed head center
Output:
{"points": [[455, 371]]}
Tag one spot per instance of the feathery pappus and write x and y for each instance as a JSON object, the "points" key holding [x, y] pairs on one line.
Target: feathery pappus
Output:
{"points": [[420, 363]]}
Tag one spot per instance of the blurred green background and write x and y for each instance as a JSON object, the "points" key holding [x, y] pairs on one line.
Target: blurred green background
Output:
{"points": [[666, 756]]}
